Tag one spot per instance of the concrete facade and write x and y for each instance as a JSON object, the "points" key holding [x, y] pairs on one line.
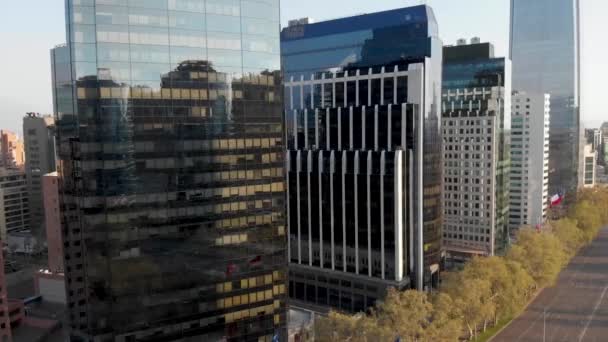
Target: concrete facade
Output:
{"points": [[589, 162], [529, 195], [14, 202], [476, 102], [12, 154], [52, 218], [39, 139], [5, 326]]}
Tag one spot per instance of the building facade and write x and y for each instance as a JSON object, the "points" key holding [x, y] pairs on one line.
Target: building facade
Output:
{"points": [[589, 166], [14, 202], [52, 219], [545, 51], [171, 175], [598, 139], [603, 159], [476, 121], [12, 154], [5, 324], [364, 170], [39, 139], [529, 192]]}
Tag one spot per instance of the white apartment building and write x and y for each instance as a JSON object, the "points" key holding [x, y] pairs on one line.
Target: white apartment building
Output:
{"points": [[590, 161], [529, 195]]}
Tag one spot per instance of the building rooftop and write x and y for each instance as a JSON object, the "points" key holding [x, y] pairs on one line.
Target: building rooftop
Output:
{"points": [[468, 52], [421, 14]]}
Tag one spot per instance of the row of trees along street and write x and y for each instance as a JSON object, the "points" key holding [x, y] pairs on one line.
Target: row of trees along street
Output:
{"points": [[485, 292]]}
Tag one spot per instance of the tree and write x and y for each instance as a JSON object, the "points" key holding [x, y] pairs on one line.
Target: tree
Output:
{"points": [[357, 328], [445, 323], [568, 233], [472, 299], [503, 286], [598, 198], [520, 291], [485, 290], [405, 313], [588, 217], [540, 254]]}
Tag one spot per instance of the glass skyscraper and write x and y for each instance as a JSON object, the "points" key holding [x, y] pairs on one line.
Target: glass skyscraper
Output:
{"points": [[170, 140], [545, 51], [362, 100]]}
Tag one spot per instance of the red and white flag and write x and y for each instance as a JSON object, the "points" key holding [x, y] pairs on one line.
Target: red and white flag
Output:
{"points": [[556, 199], [257, 261]]}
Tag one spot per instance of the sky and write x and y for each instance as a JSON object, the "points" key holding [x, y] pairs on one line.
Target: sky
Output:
{"points": [[30, 28]]}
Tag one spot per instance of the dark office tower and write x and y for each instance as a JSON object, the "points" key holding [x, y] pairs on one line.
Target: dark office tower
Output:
{"points": [[39, 141], [545, 51], [476, 122], [171, 170], [364, 163]]}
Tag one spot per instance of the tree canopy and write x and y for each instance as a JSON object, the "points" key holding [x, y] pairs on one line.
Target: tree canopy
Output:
{"points": [[485, 291]]}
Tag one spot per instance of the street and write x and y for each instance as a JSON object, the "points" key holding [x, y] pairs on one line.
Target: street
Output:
{"points": [[575, 309]]}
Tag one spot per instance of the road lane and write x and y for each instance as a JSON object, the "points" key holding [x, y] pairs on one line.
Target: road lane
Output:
{"points": [[575, 309]]}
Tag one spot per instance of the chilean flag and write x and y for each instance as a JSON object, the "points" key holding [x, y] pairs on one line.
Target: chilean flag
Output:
{"points": [[257, 261], [556, 199]]}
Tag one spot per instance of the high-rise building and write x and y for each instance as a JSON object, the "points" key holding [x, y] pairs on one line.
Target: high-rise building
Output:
{"points": [[476, 120], [11, 151], [545, 51], [589, 166], [39, 139], [529, 190], [171, 170], [594, 137], [52, 219], [603, 158], [598, 139], [5, 323], [14, 206], [364, 163]]}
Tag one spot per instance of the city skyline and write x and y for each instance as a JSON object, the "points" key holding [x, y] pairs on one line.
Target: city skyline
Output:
{"points": [[280, 170], [31, 90]]}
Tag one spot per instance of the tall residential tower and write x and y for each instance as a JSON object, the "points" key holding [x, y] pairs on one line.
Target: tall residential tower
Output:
{"points": [[39, 139], [12, 155], [170, 143], [529, 192]]}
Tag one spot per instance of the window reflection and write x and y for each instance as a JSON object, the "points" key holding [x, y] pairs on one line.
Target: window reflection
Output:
{"points": [[185, 20], [179, 173], [224, 7], [111, 15], [223, 23]]}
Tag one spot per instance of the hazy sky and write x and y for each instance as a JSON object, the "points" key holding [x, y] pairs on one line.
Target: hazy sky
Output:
{"points": [[29, 28]]}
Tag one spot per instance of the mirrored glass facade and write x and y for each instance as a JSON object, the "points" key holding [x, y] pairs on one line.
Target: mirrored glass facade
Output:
{"points": [[545, 55], [352, 66], [170, 140]]}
